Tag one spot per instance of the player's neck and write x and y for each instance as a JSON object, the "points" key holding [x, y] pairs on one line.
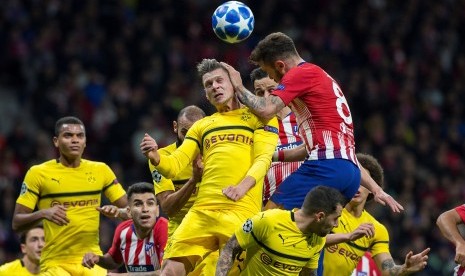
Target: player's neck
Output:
{"points": [[69, 162], [32, 267], [355, 210], [303, 222], [283, 112], [142, 233], [233, 104]]}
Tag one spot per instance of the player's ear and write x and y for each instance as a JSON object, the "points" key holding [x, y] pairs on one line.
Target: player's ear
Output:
{"points": [[55, 141], [128, 211], [175, 126], [320, 216], [280, 66], [23, 248], [157, 211]]}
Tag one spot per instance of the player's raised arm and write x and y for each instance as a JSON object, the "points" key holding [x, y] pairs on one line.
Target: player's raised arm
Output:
{"points": [[149, 148], [263, 107]]}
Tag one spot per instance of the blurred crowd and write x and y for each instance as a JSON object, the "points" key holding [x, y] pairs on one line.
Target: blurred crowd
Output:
{"points": [[126, 67]]}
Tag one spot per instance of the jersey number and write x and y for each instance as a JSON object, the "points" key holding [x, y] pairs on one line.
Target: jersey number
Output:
{"points": [[341, 102]]}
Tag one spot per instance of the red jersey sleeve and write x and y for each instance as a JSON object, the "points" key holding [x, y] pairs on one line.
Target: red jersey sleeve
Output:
{"points": [[461, 210], [114, 250], [160, 236]]}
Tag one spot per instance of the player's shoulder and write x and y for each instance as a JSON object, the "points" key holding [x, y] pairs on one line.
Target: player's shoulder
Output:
{"points": [[11, 267], [168, 149], [123, 225], [46, 164], [161, 222], [93, 164]]}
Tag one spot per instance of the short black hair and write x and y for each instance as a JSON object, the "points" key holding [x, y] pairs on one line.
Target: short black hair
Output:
{"points": [[23, 236], [257, 74], [323, 199], [67, 120], [140, 188]]}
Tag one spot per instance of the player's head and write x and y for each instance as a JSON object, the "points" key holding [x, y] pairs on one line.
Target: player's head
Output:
{"points": [[186, 118], [263, 85], [32, 242], [142, 206], [376, 172], [324, 205], [272, 54], [216, 82], [70, 136]]}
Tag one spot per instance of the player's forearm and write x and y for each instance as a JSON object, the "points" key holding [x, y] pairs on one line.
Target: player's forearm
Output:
{"points": [[107, 262], [23, 221], [368, 182], [447, 223], [258, 105], [230, 251], [333, 239], [173, 202], [298, 153], [389, 268]]}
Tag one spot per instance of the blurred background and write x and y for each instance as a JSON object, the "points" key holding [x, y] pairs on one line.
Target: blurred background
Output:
{"points": [[126, 67]]}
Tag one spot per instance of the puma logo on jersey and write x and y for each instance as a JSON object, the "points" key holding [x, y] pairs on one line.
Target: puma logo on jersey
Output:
{"points": [[56, 180]]}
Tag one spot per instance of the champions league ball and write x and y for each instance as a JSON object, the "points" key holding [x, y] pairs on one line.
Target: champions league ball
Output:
{"points": [[233, 22]]}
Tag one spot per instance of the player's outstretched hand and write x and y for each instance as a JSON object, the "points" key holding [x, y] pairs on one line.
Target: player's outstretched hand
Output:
{"points": [[90, 259], [110, 211], [149, 148], [363, 230], [414, 263], [56, 214], [234, 75], [197, 168], [385, 199]]}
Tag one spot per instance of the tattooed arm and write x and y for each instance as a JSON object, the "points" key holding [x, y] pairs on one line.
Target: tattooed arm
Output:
{"points": [[264, 107], [413, 263], [229, 253]]}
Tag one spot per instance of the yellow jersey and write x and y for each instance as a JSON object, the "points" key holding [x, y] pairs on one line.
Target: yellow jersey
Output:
{"points": [[15, 267], [233, 145], [276, 246], [342, 258], [79, 190], [163, 184]]}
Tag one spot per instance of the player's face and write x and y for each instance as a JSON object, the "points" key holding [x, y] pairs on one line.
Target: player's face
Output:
{"points": [[218, 87], [273, 71], [144, 210], [71, 141], [35, 241], [360, 197], [329, 222], [181, 126], [263, 87]]}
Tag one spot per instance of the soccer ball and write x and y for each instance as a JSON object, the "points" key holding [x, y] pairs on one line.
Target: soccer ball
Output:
{"points": [[233, 22]]}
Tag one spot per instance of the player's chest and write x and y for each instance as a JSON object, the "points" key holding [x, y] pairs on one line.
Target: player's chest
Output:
{"points": [[59, 181]]}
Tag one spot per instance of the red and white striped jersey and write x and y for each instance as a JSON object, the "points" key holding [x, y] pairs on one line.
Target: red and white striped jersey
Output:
{"points": [[460, 270], [139, 255], [322, 111], [288, 138], [366, 267]]}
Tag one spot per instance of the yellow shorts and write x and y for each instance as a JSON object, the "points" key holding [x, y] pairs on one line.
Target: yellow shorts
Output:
{"points": [[207, 266], [72, 270], [202, 232]]}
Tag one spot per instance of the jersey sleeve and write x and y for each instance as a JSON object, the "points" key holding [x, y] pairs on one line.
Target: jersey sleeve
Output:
{"points": [[381, 242], [291, 86], [161, 183], [161, 230], [264, 145], [253, 230], [113, 189], [171, 165], [30, 189], [114, 250], [461, 211]]}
